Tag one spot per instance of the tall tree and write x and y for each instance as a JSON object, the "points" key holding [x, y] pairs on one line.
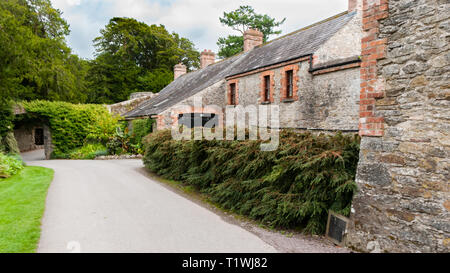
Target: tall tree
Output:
{"points": [[35, 61], [133, 56], [241, 20]]}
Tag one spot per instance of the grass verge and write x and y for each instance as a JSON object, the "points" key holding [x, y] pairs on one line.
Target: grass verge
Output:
{"points": [[22, 203]]}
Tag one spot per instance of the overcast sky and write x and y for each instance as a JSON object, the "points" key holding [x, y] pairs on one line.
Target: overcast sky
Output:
{"points": [[197, 20]]}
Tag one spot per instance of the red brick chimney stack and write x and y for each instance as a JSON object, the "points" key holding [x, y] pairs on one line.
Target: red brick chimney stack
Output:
{"points": [[207, 57], [354, 5], [252, 39], [179, 70]]}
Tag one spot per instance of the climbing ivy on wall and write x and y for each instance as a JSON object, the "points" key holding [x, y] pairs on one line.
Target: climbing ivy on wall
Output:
{"points": [[292, 187], [72, 125]]}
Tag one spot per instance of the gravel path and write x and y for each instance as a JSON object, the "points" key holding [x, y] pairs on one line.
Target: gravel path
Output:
{"points": [[113, 206]]}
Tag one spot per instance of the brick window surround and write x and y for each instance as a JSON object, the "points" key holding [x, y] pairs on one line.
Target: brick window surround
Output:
{"points": [[262, 93], [284, 83], [236, 93], [175, 114]]}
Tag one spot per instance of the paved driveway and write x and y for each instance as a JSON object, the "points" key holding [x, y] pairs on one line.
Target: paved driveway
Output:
{"points": [[111, 206]]}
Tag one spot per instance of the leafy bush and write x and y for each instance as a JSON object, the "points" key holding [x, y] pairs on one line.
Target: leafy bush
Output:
{"points": [[140, 129], [88, 151], [10, 165], [292, 187], [130, 142], [6, 118], [8, 144], [73, 125], [120, 143]]}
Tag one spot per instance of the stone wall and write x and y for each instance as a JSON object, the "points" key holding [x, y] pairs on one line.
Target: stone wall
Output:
{"points": [[403, 204], [323, 102], [24, 135], [126, 106], [213, 95], [345, 43]]}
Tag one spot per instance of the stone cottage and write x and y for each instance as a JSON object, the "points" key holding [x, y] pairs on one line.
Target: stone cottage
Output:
{"points": [[381, 69], [312, 74]]}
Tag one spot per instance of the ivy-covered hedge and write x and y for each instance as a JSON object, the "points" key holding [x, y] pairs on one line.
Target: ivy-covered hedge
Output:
{"points": [[73, 125], [292, 187]]}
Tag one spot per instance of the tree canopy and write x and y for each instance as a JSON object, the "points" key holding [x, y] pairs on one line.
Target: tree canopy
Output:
{"points": [[35, 61], [241, 20], [37, 64], [133, 56]]}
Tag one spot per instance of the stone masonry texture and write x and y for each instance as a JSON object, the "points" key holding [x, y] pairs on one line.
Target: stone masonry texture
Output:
{"points": [[404, 170], [324, 102]]}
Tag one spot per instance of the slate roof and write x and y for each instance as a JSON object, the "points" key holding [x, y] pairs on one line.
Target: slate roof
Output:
{"points": [[300, 43], [292, 46], [186, 86]]}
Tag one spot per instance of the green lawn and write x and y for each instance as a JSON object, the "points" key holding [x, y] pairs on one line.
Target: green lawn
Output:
{"points": [[22, 202]]}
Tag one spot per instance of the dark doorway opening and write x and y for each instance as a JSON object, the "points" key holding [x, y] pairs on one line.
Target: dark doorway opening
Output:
{"points": [[198, 119], [39, 136]]}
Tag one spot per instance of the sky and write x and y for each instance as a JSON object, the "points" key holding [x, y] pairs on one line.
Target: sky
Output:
{"points": [[197, 20]]}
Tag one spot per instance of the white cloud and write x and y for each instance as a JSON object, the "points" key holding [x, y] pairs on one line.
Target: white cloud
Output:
{"points": [[73, 2], [197, 20]]}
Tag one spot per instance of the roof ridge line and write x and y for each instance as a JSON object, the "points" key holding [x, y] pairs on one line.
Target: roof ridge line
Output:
{"points": [[305, 28]]}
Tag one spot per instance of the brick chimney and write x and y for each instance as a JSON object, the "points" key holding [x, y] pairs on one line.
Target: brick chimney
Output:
{"points": [[207, 57], [354, 5], [179, 70], [252, 39]]}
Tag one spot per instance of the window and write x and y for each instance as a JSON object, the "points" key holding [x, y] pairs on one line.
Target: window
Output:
{"points": [[233, 94], [192, 120], [266, 88], [289, 84]]}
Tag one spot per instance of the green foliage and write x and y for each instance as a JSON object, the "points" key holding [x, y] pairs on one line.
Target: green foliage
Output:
{"points": [[9, 144], [22, 203], [35, 62], [230, 46], [133, 56], [140, 129], [292, 187], [6, 118], [130, 142], [10, 165], [89, 151], [73, 125], [120, 142], [241, 20]]}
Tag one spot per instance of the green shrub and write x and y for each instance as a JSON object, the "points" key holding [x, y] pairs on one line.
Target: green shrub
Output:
{"points": [[292, 187], [130, 142], [140, 129], [73, 125], [88, 151], [9, 144], [6, 118], [10, 165]]}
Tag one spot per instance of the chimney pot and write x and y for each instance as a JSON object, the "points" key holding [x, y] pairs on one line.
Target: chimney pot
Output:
{"points": [[252, 39], [179, 70], [354, 5], [207, 57]]}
